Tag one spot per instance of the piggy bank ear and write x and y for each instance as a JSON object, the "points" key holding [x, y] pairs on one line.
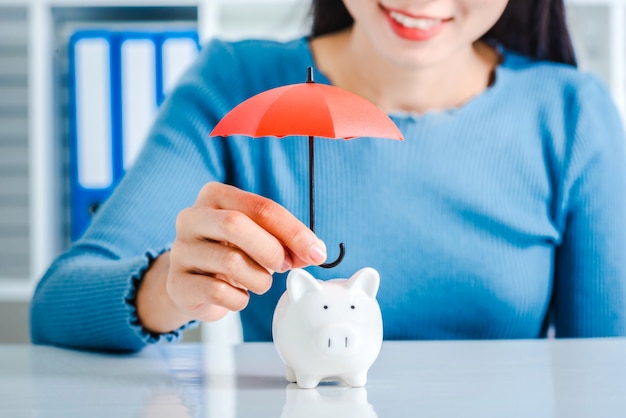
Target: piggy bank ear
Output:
{"points": [[367, 280], [300, 282]]}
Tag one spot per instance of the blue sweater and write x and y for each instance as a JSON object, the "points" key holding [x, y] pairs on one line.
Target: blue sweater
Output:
{"points": [[491, 220]]}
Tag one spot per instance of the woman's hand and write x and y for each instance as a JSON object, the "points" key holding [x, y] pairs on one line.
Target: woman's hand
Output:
{"points": [[228, 243]]}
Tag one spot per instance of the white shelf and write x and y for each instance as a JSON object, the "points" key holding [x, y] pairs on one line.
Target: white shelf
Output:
{"points": [[16, 290]]}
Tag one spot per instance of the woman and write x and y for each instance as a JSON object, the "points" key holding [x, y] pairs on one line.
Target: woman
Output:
{"points": [[501, 212]]}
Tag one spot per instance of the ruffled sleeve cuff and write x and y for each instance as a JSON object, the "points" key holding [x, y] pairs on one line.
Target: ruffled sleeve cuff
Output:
{"points": [[146, 336]]}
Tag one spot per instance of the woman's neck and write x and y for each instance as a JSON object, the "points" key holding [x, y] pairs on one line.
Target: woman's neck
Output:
{"points": [[350, 62]]}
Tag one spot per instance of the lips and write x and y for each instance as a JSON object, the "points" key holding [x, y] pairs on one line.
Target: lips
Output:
{"points": [[414, 28]]}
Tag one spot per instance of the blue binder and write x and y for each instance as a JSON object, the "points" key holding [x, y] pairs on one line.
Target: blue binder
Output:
{"points": [[116, 81]]}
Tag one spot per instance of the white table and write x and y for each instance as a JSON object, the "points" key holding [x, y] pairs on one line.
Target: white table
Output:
{"points": [[543, 378]]}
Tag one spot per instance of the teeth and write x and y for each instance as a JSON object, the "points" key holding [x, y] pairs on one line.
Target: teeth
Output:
{"points": [[413, 22]]}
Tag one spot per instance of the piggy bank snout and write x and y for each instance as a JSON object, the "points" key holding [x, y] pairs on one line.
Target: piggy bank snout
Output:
{"points": [[338, 339]]}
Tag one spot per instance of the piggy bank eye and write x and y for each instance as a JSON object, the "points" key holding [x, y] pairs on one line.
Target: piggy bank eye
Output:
{"points": [[325, 306], [352, 307]]}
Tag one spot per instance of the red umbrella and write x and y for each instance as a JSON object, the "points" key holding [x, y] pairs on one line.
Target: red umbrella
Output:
{"points": [[308, 109]]}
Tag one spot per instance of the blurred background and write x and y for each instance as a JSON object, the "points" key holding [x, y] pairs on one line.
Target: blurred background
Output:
{"points": [[67, 64]]}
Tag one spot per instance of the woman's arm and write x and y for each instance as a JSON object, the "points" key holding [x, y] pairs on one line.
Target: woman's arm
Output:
{"points": [[589, 298]]}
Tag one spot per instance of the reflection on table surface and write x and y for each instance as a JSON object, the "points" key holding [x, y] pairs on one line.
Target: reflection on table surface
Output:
{"points": [[542, 378]]}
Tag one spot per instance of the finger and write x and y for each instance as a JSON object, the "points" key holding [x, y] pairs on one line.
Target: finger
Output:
{"points": [[239, 230], [271, 216], [196, 294], [225, 261]]}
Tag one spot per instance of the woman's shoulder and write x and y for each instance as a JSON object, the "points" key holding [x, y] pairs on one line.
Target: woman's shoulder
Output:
{"points": [[227, 72], [576, 106], [553, 84], [256, 47], [264, 61]]}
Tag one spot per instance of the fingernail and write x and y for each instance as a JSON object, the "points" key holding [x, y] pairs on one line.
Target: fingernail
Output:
{"points": [[317, 252]]}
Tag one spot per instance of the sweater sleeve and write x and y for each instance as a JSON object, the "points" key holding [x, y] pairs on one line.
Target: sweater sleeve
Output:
{"points": [[86, 298], [589, 298]]}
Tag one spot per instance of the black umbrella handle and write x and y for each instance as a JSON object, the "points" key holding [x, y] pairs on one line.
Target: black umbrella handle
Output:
{"points": [[342, 252]]}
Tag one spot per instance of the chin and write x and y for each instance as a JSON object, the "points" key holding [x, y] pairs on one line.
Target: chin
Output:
{"points": [[411, 58]]}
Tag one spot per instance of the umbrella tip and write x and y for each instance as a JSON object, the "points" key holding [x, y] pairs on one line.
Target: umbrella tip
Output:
{"points": [[309, 75]]}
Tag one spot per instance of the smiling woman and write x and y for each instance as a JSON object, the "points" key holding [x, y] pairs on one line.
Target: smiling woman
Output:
{"points": [[499, 215], [532, 27]]}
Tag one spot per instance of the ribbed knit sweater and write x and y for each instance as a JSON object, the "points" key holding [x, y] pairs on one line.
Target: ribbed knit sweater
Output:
{"points": [[491, 220]]}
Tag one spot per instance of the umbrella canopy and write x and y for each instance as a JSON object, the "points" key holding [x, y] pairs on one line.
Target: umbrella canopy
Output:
{"points": [[308, 109]]}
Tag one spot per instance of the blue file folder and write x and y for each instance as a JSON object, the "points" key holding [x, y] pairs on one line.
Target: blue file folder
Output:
{"points": [[117, 80]]}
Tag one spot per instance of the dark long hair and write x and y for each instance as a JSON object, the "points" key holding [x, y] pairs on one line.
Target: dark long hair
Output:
{"points": [[535, 28]]}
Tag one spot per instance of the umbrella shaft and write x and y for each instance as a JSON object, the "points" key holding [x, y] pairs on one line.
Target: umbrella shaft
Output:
{"points": [[311, 183]]}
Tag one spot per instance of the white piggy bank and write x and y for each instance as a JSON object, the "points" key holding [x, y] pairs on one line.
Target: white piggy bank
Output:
{"points": [[328, 330]]}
